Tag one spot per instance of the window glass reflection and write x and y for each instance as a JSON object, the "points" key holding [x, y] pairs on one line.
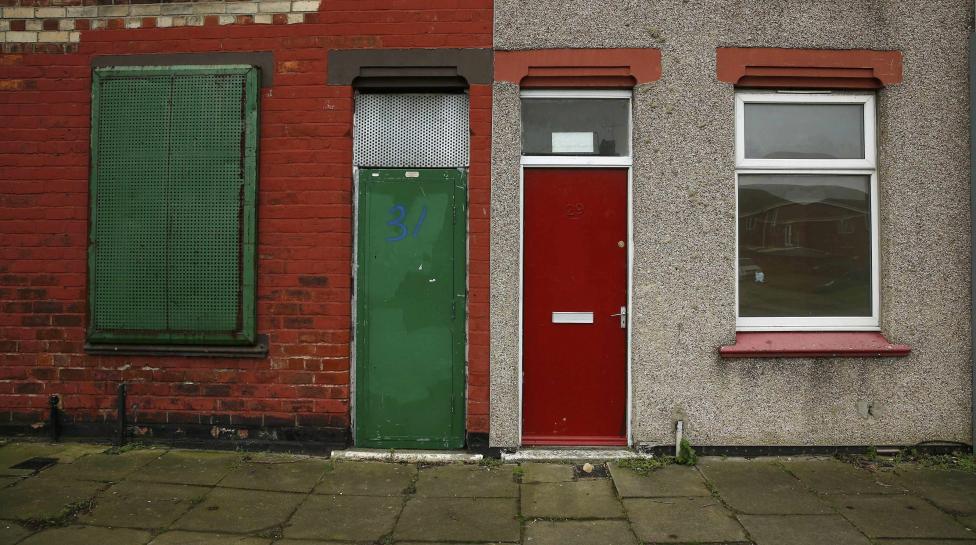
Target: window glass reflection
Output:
{"points": [[804, 131], [575, 126], [804, 245]]}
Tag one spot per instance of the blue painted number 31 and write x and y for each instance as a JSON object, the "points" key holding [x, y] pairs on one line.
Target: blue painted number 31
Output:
{"points": [[400, 212]]}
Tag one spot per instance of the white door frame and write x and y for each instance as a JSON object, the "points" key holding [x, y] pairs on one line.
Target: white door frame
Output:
{"points": [[534, 161]]}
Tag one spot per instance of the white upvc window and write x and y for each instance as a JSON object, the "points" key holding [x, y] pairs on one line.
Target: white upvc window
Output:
{"points": [[807, 212]]}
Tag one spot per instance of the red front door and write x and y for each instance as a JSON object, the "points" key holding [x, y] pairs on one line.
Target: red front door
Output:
{"points": [[575, 287]]}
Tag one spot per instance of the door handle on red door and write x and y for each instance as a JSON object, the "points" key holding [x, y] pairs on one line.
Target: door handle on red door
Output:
{"points": [[623, 317]]}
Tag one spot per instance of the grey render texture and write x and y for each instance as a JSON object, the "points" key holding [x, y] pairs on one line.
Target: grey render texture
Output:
{"points": [[684, 223]]}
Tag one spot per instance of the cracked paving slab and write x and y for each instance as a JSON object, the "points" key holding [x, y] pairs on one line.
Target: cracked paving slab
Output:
{"points": [[467, 481], [896, 516], [240, 511], [580, 499], [458, 519], [143, 505], [367, 479], [683, 520], [761, 488], [344, 518], [184, 467]]}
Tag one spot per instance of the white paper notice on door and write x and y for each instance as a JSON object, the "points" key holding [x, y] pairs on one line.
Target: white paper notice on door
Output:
{"points": [[572, 142]]}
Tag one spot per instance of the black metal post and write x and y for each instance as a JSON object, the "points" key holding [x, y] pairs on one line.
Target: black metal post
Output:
{"points": [[54, 420], [121, 414]]}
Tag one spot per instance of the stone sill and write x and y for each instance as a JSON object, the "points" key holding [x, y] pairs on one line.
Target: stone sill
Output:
{"points": [[812, 344]]}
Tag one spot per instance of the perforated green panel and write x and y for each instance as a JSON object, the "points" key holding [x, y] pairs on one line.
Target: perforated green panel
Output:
{"points": [[172, 236], [205, 203], [128, 238]]}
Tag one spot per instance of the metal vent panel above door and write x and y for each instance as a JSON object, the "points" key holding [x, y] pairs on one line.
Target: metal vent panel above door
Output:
{"points": [[411, 130]]}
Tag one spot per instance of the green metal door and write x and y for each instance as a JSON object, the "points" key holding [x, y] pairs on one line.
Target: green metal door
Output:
{"points": [[410, 308]]}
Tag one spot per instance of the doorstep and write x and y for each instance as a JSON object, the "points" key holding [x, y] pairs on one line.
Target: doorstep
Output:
{"points": [[548, 454], [408, 456]]}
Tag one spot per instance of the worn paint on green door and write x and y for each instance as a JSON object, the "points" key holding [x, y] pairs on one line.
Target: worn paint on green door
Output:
{"points": [[410, 308]]}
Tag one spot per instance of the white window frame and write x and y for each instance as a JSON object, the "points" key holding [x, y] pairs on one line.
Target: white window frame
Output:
{"points": [[870, 153], [863, 167]]}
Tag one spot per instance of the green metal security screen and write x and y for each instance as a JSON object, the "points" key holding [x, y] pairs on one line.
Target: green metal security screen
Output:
{"points": [[171, 250], [410, 314]]}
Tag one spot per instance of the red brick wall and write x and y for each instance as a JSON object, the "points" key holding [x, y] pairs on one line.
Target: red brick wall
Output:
{"points": [[304, 226]]}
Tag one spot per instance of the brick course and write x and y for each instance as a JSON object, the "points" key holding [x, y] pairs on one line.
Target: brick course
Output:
{"points": [[304, 212]]}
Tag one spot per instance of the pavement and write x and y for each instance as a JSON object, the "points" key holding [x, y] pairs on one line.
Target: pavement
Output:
{"points": [[162, 496]]}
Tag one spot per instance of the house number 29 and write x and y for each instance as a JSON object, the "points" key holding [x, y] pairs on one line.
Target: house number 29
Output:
{"points": [[399, 213]]}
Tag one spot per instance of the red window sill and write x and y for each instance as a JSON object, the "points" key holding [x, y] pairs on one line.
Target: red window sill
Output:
{"points": [[813, 344]]}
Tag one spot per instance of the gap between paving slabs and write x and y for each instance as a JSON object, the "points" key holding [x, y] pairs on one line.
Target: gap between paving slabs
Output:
{"points": [[531, 475]]}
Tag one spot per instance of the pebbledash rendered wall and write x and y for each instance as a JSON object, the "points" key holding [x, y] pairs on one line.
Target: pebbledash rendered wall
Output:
{"points": [[684, 223], [301, 390]]}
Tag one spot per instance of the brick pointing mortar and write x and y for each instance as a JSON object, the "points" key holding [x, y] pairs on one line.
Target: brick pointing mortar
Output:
{"points": [[305, 226], [63, 25]]}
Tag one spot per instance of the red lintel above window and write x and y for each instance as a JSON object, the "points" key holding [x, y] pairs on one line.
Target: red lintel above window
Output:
{"points": [[568, 68], [812, 344], [808, 68]]}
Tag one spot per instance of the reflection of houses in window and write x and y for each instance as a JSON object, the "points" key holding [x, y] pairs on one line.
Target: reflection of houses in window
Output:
{"points": [[786, 220]]}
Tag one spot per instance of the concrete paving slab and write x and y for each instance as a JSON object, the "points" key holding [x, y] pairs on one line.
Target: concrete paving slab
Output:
{"points": [[924, 542], [467, 481], [131, 504], [580, 499], [184, 467], [579, 532], [669, 481], [40, 497], [683, 520], [458, 519], [761, 488], [73, 451], [802, 530], [367, 479], [898, 516], [11, 532], [830, 476], [969, 521], [344, 518], [533, 472], [7, 481], [282, 474], [200, 538], [239, 511], [954, 491], [89, 535], [105, 467], [12, 454], [306, 542]]}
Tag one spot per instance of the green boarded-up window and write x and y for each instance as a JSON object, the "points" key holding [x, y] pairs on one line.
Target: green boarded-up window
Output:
{"points": [[171, 250]]}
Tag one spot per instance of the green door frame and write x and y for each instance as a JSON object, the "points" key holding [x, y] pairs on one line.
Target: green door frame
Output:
{"points": [[455, 438]]}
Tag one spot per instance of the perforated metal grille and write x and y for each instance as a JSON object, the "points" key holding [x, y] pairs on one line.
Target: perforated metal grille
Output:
{"points": [[168, 205], [205, 203], [129, 228], [411, 130]]}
